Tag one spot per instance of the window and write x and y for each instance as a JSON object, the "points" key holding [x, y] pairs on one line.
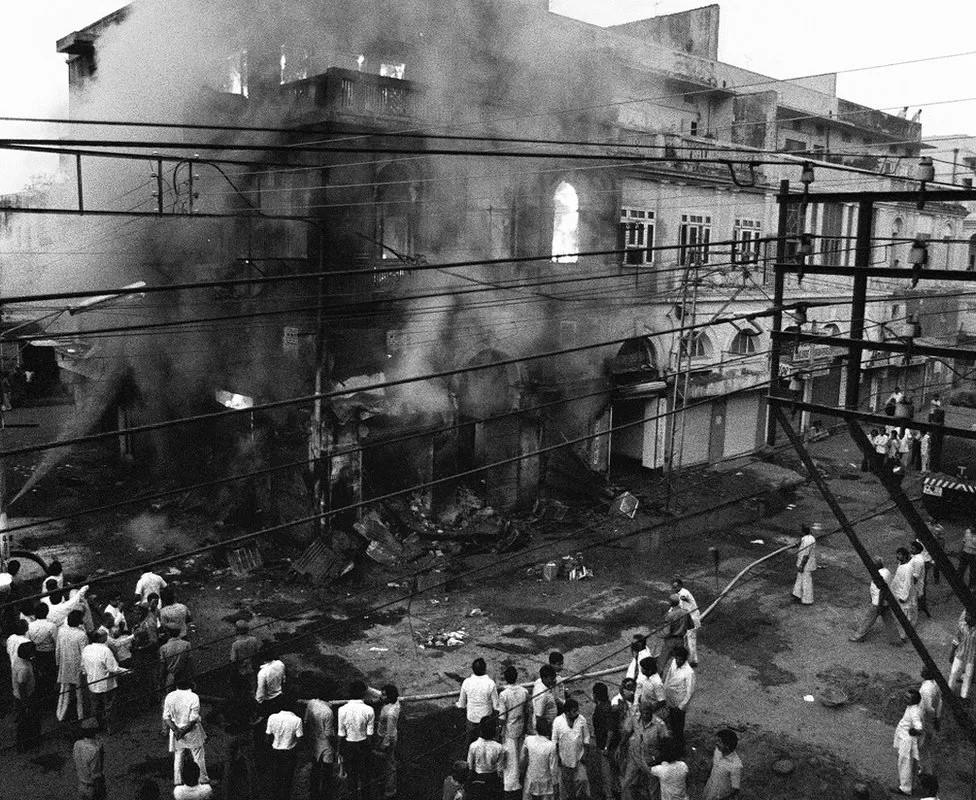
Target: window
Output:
{"points": [[234, 80], [820, 130], [831, 243], [695, 235], [693, 127], [294, 63], [696, 345], [636, 235], [565, 224], [393, 70], [830, 329], [797, 125], [793, 145], [746, 237], [896, 228], [744, 343], [397, 208], [971, 264]]}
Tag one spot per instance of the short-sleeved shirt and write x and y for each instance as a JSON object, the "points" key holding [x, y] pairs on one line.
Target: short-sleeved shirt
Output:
{"points": [[175, 615], [271, 680], [43, 633], [285, 729], [356, 721], [570, 740], [725, 776], [319, 727], [543, 701], [479, 697], [149, 583], [486, 756], [674, 779], [512, 701], [99, 665]]}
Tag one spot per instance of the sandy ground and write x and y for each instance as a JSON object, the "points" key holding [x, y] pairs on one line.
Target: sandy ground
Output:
{"points": [[760, 654]]}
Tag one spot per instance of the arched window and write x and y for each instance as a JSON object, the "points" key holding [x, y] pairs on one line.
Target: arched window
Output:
{"points": [[697, 345], [565, 224], [947, 243], [830, 329], [744, 343]]}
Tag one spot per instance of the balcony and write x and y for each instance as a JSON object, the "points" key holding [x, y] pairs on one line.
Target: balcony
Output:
{"points": [[347, 96]]}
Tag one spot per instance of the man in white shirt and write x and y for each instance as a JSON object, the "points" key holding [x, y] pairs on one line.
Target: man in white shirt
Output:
{"points": [[181, 715], [356, 724], [907, 733], [101, 670], [478, 697], [931, 707], [919, 561], [270, 685], [878, 608], [515, 711], [806, 563], [672, 772], [650, 686], [571, 735], [686, 602], [679, 688], [44, 634], [284, 729], [71, 642], [319, 727], [903, 588], [725, 779], [638, 651], [149, 583], [16, 639]]}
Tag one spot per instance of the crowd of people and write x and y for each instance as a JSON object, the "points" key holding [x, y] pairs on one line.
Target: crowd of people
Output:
{"points": [[73, 659], [538, 744], [898, 447]]}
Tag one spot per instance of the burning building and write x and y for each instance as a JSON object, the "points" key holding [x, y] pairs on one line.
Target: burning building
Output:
{"points": [[333, 126]]}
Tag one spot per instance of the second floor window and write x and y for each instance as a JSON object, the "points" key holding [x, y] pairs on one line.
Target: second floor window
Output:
{"points": [[696, 345], [636, 235], [695, 236], [746, 235], [565, 224]]}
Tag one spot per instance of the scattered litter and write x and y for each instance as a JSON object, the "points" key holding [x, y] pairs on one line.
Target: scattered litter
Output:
{"points": [[809, 698], [791, 506], [757, 541], [550, 571], [378, 649], [444, 639], [476, 612], [393, 585]]}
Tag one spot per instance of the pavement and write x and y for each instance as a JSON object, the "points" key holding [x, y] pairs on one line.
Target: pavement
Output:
{"points": [[761, 656]]}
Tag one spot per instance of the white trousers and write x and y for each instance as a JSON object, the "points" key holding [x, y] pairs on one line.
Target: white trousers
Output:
{"points": [[510, 778], [691, 642], [803, 587], [64, 700], [198, 756], [965, 671], [906, 769]]}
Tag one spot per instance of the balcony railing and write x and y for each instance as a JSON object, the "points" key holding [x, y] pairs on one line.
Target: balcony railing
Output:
{"points": [[342, 94]]}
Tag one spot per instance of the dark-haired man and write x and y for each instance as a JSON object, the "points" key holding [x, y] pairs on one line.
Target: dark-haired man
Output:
{"points": [[356, 724], [478, 697], [571, 735], [543, 701], [70, 643], [514, 710], [181, 716], [725, 779]]}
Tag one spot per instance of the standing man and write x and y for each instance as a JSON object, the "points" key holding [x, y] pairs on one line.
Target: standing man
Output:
{"points": [[70, 643], [903, 588], [243, 651], [44, 634], [931, 718], [539, 764], [688, 605], [101, 672], [571, 735], [725, 779], [963, 654], [925, 451], [907, 733], [173, 614], [936, 417], [650, 686], [515, 712], [543, 701], [181, 715], [677, 622], [284, 729], [478, 697], [672, 772], [967, 557], [270, 685], [26, 717], [320, 733], [606, 726], [806, 563], [388, 740], [356, 723], [175, 660], [919, 560], [679, 688], [640, 750], [877, 608], [558, 663], [89, 758]]}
